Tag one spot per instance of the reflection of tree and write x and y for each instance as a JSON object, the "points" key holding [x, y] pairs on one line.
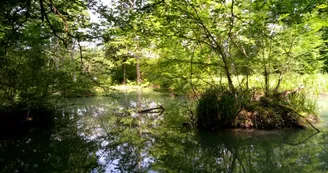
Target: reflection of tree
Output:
{"points": [[124, 136], [160, 143], [139, 103], [127, 142], [230, 152], [59, 149]]}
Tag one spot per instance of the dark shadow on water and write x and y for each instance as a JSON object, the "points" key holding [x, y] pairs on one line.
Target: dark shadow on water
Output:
{"points": [[17, 123], [56, 148]]}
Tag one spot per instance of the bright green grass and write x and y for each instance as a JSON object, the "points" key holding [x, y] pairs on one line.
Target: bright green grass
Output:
{"points": [[314, 84]]}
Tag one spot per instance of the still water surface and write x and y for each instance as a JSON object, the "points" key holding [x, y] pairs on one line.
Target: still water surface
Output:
{"points": [[106, 134]]}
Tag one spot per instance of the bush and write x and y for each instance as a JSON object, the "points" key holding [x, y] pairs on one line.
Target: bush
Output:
{"points": [[216, 108]]}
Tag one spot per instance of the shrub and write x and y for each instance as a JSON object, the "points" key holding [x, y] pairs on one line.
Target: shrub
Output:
{"points": [[216, 108]]}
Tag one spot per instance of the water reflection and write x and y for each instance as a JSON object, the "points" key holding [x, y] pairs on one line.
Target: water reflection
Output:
{"points": [[60, 149], [109, 135]]}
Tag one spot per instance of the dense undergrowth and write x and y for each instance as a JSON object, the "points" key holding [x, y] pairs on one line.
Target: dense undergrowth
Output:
{"points": [[219, 108]]}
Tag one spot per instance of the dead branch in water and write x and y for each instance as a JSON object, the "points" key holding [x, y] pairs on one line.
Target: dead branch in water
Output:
{"points": [[160, 109]]}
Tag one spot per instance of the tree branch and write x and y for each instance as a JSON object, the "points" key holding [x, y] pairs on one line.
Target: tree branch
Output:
{"points": [[14, 29]]}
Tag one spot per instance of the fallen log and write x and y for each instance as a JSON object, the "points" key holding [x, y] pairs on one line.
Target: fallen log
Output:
{"points": [[160, 109]]}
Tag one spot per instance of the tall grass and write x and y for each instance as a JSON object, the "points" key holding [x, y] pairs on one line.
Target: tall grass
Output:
{"points": [[314, 84]]}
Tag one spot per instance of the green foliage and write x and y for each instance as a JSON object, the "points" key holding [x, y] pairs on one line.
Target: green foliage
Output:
{"points": [[302, 103], [324, 49], [117, 74], [216, 108], [37, 56], [185, 47]]}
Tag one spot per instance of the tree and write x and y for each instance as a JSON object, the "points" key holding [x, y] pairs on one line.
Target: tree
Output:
{"points": [[36, 51], [239, 33], [125, 23]]}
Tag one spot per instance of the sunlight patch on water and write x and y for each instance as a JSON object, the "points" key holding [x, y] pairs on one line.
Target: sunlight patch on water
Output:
{"points": [[323, 110]]}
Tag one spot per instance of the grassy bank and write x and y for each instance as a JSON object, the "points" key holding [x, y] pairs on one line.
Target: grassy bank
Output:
{"points": [[315, 84]]}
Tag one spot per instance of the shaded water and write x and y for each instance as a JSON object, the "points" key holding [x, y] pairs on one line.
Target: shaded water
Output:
{"points": [[106, 134]]}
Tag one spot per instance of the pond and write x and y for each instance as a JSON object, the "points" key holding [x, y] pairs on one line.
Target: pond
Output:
{"points": [[107, 134]]}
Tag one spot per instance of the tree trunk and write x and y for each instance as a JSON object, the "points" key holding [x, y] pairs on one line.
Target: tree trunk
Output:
{"points": [[124, 73], [267, 80], [227, 71], [247, 83], [221, 53], [138, 71], [278, 84]]}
